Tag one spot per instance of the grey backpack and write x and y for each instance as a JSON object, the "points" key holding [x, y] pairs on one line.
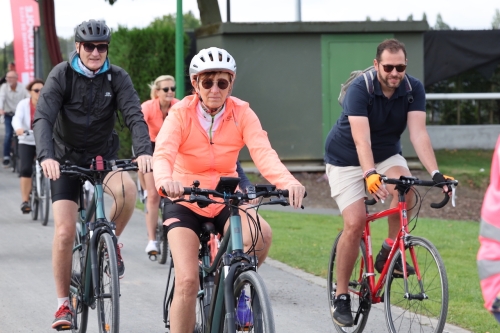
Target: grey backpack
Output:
{"points": [[368, 74]]}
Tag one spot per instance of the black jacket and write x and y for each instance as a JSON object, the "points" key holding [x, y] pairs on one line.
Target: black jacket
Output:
{"points": [[77, 123]]}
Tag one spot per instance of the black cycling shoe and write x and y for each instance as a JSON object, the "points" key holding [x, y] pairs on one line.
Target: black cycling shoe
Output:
{"points": [[342, 313]]}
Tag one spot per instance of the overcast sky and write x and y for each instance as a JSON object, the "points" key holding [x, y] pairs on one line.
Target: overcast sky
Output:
{"points": [[476, 14]]}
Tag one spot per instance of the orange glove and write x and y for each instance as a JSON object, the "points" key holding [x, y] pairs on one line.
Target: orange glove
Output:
{"points": [[373, 182]]}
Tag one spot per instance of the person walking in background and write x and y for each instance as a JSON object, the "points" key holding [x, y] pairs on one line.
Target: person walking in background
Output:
{"points": [[11, 93], [488, 256], [155, 110], [22, 122]]}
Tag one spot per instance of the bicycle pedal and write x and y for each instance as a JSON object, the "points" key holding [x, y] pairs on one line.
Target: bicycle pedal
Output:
{"points": [[152, 256], [64, 328]]}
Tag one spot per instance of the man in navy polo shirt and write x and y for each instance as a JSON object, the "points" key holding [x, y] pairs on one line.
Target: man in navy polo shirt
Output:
{"points": [[364, 143]]}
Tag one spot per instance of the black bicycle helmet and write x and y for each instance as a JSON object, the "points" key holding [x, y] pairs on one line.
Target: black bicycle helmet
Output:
{"points": [[92, 31]]}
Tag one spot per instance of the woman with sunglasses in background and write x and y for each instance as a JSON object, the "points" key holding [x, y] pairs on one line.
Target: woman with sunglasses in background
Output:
{"points": [[200, 140], [155, 110], [22, 123]]}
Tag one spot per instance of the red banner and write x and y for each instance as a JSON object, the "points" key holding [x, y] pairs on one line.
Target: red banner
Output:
{"points": [[25, 16]]}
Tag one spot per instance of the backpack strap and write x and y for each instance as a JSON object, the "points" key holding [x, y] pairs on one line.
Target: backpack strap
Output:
{"points": [[368, 76], [69, 84], [409, 95], [110, 79]]}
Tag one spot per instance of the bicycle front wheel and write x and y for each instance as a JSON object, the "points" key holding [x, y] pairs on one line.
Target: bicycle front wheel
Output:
{"points": [[422, 307], [357, 289], [80, 309], [108, 302], [253, 311], [45, 202]]}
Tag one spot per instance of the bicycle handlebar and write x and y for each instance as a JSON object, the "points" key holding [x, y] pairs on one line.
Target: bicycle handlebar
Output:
{"points": [[98, 166], [200, 195], [407, 182]]}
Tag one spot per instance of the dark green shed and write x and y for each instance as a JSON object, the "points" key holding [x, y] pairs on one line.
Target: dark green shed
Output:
{"points": [[291, 73]]}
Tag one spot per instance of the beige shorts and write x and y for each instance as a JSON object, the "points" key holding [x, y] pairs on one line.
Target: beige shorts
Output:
{"points": [[347, 183]]}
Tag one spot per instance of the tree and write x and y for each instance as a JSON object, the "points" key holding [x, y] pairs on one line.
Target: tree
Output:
{"points": [[440, 25], [410, 18], [495, 23], [189, 20], [424, 17]]}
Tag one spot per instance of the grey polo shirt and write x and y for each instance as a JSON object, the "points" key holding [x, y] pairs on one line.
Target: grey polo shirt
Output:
{"points": [[10, 98]]}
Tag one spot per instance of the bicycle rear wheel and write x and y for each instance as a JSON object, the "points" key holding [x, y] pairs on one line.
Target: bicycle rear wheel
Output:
{"points": [[162, 241], [357, 289], [79, 308], [34, 202], [425, 307], [253, 311], [161, 237], [108, 303], [45, 200]]}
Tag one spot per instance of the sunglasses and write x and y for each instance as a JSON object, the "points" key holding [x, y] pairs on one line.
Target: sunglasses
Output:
{"points": [[35, 90], [167, 88], [390, 68], [209, 83], [89, 47]]}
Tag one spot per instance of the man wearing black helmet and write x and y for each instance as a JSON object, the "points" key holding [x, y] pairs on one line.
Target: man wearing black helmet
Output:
{"points": [[74, 121]]}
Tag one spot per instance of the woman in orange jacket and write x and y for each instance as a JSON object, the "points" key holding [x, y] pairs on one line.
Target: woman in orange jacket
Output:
{"points": [[201, 140], [155, 111]]}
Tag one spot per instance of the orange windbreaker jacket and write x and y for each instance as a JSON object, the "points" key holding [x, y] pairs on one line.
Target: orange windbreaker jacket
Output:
{"points": [[184, 152]]}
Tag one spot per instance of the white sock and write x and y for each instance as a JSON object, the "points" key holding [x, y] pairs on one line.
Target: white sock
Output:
{"points": [[60, 301]]}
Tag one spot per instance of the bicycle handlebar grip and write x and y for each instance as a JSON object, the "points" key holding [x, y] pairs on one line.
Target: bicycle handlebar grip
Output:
{"points": [[370, 202], [442, 203]]}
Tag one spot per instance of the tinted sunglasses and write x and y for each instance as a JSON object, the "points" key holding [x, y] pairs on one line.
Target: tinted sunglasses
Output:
{"points": [[390, 68], [35, 90], [89, 47], [209, 83], [167, 88]]}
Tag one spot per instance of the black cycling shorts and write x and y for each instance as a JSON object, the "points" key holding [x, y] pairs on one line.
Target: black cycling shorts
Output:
{"points": [[189, 219], [66, 188], [26, 157]]}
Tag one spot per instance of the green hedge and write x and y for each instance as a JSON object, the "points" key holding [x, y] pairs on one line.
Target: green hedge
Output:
{"points": [[145, 54]]}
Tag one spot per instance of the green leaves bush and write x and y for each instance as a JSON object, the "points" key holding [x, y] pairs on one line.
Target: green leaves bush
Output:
{"points": [[145, 54]]}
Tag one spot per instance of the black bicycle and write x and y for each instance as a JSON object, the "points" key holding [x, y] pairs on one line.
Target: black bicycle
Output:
{"points": [[94, 272], [232, 297]]}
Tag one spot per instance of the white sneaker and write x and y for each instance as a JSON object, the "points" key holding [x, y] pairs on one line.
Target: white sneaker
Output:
{"points": [[152, 248]]}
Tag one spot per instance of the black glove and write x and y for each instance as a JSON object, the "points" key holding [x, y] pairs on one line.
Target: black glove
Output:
{"points": [[438, 178]]}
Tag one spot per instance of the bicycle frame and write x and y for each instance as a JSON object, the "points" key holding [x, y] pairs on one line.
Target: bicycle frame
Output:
{"points": [[89, 233], [231, 252], [399, 243]]}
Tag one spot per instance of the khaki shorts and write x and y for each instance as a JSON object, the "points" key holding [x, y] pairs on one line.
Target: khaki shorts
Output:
{"points": [[347, 183]]}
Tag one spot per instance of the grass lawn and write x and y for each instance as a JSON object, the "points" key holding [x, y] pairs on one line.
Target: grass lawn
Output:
{"points": [[456, 241]]}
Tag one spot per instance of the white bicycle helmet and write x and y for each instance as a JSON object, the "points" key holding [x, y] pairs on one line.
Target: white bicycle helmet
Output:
{"points": [[212, 59]]}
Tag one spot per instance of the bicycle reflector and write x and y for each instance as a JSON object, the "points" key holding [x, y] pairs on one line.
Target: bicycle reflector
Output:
{"points": [[98, 163]]}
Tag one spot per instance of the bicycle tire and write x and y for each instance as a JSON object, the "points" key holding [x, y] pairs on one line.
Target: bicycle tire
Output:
{"points": [[34, 202], [108, 308], [404, 315], [163, 245], [79, 308], [261, 313], [45, 193], [357, 289]]}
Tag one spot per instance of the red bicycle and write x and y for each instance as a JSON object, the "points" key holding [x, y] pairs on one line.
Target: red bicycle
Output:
{"points": [[412, 303]]}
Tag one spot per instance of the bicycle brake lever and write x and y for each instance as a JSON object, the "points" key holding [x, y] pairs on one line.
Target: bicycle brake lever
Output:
{"points": [[453, 191]]}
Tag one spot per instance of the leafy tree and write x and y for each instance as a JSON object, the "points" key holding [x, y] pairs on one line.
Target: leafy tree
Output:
{"points": [[368, 19], [440, 24], [424, 17], [495, 23], [190, 22], [410, 18]]}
